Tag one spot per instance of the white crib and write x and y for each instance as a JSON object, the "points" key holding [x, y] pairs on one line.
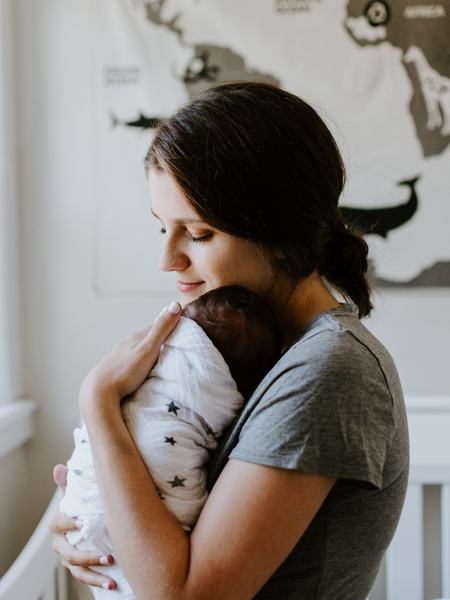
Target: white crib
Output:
{"points": [[406, 573], [36, 574]]}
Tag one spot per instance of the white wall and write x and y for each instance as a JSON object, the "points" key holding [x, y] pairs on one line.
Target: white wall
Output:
{"points": [[67, 327], [415, 327]]}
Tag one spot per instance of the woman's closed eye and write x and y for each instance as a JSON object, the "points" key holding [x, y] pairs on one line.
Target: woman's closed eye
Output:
{"points": [[200, 238], [193, 238]]}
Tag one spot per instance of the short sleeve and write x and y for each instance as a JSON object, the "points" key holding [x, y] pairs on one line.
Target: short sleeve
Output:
{"points": [[329, 412]]}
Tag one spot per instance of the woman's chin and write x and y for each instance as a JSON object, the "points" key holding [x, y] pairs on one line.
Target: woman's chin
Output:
{"points": [[186, 297]]}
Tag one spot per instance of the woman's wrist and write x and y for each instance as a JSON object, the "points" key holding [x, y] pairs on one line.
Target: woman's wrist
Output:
{"points": [[94, 400]]}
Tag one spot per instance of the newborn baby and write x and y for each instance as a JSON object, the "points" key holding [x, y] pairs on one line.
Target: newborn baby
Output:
{"points": [[224, 344]]}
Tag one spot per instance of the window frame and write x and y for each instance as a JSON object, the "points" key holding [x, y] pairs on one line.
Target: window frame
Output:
{"points": [[9, 260], [16, 422]]}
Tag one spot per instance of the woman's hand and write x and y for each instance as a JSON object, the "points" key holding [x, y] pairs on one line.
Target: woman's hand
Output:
{"points": [[78, 562], [117, 375], [128, 364]]}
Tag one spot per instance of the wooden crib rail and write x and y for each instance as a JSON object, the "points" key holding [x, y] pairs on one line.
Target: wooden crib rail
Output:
{"points": [[36, 574], [404, 573]]}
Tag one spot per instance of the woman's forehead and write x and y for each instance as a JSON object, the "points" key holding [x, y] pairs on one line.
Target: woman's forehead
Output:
{"points": [[168, 200], [186, 220]]}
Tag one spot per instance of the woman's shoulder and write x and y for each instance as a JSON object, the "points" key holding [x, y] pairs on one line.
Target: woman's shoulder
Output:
{"points": [[337, 346], [336, 386], [331, 332]]}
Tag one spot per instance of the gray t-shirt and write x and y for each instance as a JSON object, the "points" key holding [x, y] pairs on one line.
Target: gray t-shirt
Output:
{"points": [[332, 405]]}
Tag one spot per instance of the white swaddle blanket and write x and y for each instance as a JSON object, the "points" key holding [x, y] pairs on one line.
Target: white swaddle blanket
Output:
{"points": [[175, 419]]}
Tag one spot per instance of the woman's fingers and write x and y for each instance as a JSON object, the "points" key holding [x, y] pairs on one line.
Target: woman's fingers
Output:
{"points": [[78, 558], [60, 476], [163, 325], [79, 562], [90, 577], [123, 369]]}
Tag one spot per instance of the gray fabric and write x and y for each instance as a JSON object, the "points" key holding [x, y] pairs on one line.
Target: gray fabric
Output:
{"points": [[333, 404]]}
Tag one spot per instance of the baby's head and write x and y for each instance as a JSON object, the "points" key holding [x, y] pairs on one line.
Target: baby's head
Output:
{"points": [[243, 328]]}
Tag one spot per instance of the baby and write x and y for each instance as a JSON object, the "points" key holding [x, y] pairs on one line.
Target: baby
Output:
{"points": [[225, 343]]}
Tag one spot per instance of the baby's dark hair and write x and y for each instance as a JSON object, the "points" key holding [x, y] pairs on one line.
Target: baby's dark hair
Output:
{"points": [[243, 328]]}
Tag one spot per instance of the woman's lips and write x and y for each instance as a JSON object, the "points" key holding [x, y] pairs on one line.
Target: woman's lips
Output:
{"points": [[184, 286]]}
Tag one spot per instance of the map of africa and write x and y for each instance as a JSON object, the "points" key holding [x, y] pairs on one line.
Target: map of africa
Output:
{"points": [[378, 72]]}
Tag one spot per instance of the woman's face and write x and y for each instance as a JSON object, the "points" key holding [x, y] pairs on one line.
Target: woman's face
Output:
{"points": [[201, 257]]}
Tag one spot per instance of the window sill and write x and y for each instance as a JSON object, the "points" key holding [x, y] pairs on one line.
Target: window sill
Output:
{"points": [[16, 424]]}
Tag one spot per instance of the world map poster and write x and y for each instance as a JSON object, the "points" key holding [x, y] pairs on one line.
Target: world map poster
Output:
{"points": [[378, 72]]}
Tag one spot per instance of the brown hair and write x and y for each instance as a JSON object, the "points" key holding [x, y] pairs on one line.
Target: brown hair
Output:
{"points": [[258, 162], [243, 328]]}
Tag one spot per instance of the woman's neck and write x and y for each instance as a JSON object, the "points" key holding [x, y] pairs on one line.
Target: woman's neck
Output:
{"points": [[296, 309]]}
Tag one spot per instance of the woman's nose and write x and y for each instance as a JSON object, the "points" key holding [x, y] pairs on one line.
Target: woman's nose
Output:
{"points": [[172, 259]]}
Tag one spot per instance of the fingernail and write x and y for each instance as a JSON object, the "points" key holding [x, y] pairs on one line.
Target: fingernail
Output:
{"points": [[174, 308], [109, 585], [104, 560]]}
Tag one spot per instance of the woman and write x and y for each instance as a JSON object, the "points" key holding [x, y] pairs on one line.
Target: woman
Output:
{"points": [[308, 485]]}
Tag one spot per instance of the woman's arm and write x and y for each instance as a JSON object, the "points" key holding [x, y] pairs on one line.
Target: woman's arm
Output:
{"points": [[253, 518]]}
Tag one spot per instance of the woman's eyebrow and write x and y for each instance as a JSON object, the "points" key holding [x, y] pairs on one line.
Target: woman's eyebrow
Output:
{"points": [[179, 221]]}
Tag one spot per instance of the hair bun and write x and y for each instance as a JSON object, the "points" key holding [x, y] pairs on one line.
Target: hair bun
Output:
{"points": [[344, 264]]}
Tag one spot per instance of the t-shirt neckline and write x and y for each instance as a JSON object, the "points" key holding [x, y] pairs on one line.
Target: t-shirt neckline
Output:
{"points": [[347, 309]]}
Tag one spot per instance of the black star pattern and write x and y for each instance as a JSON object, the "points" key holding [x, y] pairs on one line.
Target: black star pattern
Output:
{"points": [[190, 367], [77, 472], [83, 442], [170, 440], [173, 408], [159, 494], [177, 482]]}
